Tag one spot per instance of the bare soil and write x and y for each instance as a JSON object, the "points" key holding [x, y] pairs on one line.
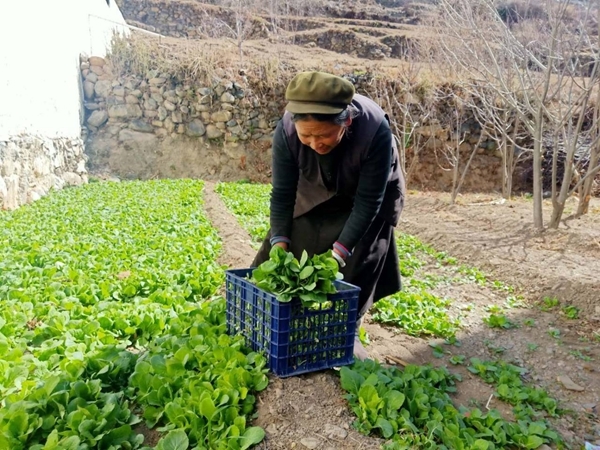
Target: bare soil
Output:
{"points": [[309, 411]]}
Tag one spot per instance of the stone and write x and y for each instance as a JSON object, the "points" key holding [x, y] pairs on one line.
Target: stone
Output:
{"points": [[263, 124], [97, 70], [157, 123], [162, 113], [221, 116], [157, 97], [72, 179], [84, 65], [184, 109], [150, 114], [137, 93], [196, 128], [169, 125], [310, 443], [156, 81], [212, 132], [333, 431], [227, 98], [103, 88], [96, 61], [98, 118], [271, 429], [136, 141], [124, 111], [141, 126], [119, 91], [91, 77], [169, 105], [227, 106], [181, 128], [91, 106], [569, 384], [132, 99], [118, 111], [88, 90], [134, 111], [151, 104], [85, 72], [205, 91], [177, 117], [231, 123], [114, 100], [161, 132]]}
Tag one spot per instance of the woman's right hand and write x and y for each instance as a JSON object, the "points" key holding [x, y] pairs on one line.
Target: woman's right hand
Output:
{"points": [[283, 245]]}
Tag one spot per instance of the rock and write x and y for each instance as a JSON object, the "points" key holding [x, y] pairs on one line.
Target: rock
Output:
{"points": [[181, 128], [119, 91], [157, 123], [136, 141], [212, 132], [227, 98], [169, 125], [141, 125], [169, 106], [97, 70], [569, 384], [91, 77], [84, 65], [72, 179], [98, 118], [311, 443], [157, 81], [271, 429], [132, 99], [333, 431], [137, 93], [88, 90], [196, 128], [205, 91], [177, 117], [118, 111], [221, 116], [123, 111], [103, 88], [162, 113], [96, 61]]}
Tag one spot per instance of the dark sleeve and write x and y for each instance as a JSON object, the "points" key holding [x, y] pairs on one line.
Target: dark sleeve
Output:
{"points": [[372, 183], [285, 182]]}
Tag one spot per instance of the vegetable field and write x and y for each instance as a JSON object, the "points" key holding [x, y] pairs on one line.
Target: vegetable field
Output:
{"points": [[112, 336], [108, 320]]}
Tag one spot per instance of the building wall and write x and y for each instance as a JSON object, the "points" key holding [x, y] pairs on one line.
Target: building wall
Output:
{"points": [[40, 87]]}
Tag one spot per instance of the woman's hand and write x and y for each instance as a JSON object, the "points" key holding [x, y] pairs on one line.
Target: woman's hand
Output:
{"points": [[339, 258], [283, 245]]}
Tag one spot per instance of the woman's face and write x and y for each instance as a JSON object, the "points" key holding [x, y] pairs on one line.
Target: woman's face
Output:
{"points": [[322, 137]]}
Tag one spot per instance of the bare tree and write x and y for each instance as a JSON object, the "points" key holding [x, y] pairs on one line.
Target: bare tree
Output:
{"points": [[238, 24], [532, 67]]}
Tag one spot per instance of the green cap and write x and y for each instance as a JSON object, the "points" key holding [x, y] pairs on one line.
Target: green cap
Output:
{"points": [[318, 93]]}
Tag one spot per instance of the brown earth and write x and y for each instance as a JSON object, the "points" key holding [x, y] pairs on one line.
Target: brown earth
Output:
{"points": [[482, 232]]}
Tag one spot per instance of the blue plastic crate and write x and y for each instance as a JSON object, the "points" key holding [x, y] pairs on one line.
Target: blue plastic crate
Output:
{"points": [[294, 339]]}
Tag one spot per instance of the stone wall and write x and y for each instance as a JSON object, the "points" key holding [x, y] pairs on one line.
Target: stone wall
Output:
{"points": [[31, 166], [155, 125], [185, 19]]}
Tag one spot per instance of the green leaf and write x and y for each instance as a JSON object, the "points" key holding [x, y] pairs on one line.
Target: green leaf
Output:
{"points": [[306, 272], [174, 440], [351, 380], [385, 427], [480, 444], [251, 436], [208, 408]]}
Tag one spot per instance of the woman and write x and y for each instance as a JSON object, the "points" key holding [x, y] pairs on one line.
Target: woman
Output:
{"points": [[337, 185]]}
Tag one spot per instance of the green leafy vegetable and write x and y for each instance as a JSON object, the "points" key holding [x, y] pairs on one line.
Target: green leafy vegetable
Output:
{"points": [[310, 279]]}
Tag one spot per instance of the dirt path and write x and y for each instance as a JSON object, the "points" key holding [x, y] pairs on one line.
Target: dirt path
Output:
{"points": [[309, 411]]}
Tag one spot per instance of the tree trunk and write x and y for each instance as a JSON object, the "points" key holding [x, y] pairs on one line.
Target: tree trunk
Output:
{"points": [[588, 184], [538, 212]]}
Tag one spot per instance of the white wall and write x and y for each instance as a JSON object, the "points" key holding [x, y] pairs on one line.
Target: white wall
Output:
{"points": [[40, 44]]}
